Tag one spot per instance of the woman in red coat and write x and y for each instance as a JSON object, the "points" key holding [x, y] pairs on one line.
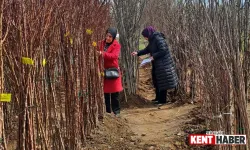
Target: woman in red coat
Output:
{"points": [[109, 51]]}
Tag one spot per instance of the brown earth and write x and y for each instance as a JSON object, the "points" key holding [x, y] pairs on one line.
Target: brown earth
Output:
{"points": [[145, 126]]}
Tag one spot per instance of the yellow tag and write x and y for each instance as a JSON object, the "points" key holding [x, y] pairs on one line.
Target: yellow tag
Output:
{"points": [[101, 74], [5, 97], [44, 62], [89, 31], [28, 61], [67, 34], [94, 44], [71, 41]]}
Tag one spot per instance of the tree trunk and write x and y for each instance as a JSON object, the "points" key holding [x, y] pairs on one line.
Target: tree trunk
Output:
{"points": [[2, 137], [127, 16]]}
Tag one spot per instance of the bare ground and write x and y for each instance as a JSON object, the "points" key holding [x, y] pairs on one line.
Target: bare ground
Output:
{"points": [[145, 126]]}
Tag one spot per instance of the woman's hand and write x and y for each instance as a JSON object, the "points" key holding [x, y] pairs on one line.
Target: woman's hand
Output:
{"points": [[134, 53], [99, 53]]}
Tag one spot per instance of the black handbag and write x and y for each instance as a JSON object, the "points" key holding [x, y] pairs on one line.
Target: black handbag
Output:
{"points": [[111, 73]]}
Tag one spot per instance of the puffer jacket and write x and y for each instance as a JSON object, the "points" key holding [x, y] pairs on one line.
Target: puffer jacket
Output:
{"points": [[163, 64]]}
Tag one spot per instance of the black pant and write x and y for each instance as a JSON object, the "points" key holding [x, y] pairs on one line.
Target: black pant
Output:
{"points": [[115, 103], [160, 96]]}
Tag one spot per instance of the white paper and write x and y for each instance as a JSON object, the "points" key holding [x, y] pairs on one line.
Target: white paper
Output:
{"points": [[145, 61]]}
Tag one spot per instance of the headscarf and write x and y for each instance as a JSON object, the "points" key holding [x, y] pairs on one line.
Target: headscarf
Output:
{"points": [[113, 32], [148, 31]]}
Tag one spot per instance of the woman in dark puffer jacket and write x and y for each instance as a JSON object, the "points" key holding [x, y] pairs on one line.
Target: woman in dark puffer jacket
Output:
{"points": [[163, 67]]}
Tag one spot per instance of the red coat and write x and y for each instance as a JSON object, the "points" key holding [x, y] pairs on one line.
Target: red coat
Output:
{"points": [[111, 57]]}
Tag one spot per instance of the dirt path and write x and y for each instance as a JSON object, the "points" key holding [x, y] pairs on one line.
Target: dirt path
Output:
{"points": [[143, 125], [157, 128]]}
